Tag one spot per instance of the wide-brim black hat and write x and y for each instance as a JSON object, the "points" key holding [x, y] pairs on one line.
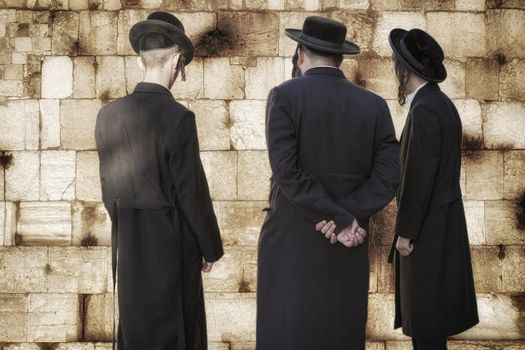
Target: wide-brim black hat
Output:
{"points": [[325, 35], [161, 30], [420, 52]]}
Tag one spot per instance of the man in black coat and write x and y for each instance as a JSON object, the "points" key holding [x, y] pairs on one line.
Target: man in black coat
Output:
{"points": [[156, 193], [435, 294], [334, 158]]}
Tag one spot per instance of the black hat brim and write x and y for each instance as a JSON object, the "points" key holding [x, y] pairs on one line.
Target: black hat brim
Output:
{"points": [[394, 38], [155, 26], [348, 47]]}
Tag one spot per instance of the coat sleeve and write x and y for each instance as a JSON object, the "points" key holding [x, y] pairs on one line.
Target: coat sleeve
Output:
{"points": [[419, 171], [301, 188], [192, 189], [375, 193]]}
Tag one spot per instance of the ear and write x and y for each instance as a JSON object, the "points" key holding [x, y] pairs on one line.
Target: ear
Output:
{"points": [[176, 58], [140, 63], [301, 56]]}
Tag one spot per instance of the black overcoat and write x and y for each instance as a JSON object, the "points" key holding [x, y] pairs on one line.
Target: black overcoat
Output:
{"points": [[435, 294], [334, 155], [155, 190]]}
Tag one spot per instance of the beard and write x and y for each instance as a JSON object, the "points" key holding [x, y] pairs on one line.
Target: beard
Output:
{"points": [[296, 71]]}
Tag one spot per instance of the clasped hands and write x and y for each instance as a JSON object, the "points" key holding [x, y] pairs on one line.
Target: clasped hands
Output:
{"points": [[351, 236]]}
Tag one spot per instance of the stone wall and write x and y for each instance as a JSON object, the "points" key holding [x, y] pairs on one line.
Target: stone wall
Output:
{"points": [[61, 60]]}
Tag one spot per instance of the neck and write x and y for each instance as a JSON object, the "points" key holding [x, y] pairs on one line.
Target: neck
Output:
{"points": [[414, 82], [158, 76], [309, 65]]}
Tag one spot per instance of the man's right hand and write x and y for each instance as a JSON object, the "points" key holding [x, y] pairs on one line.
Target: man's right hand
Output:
{"points": [[352, 236], [206, 266]]}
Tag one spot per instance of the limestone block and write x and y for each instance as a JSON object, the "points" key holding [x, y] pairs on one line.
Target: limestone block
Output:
{"points": [[377, 75], [391, 20], [454, 85], [385, 270], [360, 26], [512, 84], [23, 270], [57, 174], [253, 175], [504, 125], [249, 270], [91, 224], [126, 19], [193, 87], [350, 68], [110, 78], [20, 121], [84, 77], [88, 177], [14, 72], [221, 173], [99, 317], [248, 125], [98, 32], [399, 115], [50, 123], [268, 72], [382, 225], [501, 223], [64, 30], [487, 269], [76, 5], [134, 74], [290, 20], [22, 178], [429, 5], [53, 318], [226, 274], [354, 4], [14, 88], [380, 318], [513, 277], [240, 222], [45, 223], [468, 37], [505, 32], [475, 216], [23, 44], [212, 124], [470, 114], [57, 77], [13, 319], [484, 175], [513, 174], [77, 270], [75, 346], [222, 80], [78, 119], [470, 5], [19, 58], [22, 346], [231, 317], [8, 223], [197, 23], [253, 34], [482, 78], [258, 4]]}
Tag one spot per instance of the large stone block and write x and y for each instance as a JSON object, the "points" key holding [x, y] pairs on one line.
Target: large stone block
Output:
{"points": [[57, 77], [249, 270], [78, 119], [470, 5], [475, 216], [260, 79], [49, 124], [13, 318], [468, 37], [53, 318], [213, 124], [512, 84], [221, 173], [390, 20], [134, 74], [482, 78], [99, 317], [223, 80], [11, 88], [20, 122], [454, 86], [504, 125], [84, 77], [514, 174], [77, 270], [57, 175], [226, 274], [75, 346], [486, 266], [513, 276], [98, 32], [22, 346], [378, 76], [8, 223], [126, 19], [88, 177], [248, 125], [360, 25], [193, 87], [380, 318], [470, 114], [64, 30], [110, 77], [399, 116], [23, 178], [45, 223], [484, 175], [505, 32], [91, 224], [404, 5], [290, 20], [382, 225], [23, 270], [253, 175], [501, 223], [240, 222], [231, 317], [385, 270]]}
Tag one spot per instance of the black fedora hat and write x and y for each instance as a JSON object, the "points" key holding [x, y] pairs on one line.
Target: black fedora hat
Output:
{"points": [[159, 31], [420, 52], [325, 35]]}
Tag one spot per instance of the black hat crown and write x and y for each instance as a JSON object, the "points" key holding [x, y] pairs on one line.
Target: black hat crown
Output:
{"points": [[156, 40]]}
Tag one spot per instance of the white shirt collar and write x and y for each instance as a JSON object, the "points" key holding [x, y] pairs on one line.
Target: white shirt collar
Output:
{"points": [[410, 97]]}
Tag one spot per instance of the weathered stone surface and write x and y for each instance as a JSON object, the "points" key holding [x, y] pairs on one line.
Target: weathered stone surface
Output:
{"points": [[399, 115], [84, 77], [484, 175], [504, 124], [470, 5], [98, 33], [227, 273], [514, 174], [22, 178], [75, 346], [221, 173], [268, 72], [382, 225], [23, 269], [248, 125], [487, 269], [193, 87], [360, 26], [240, 222], [99, 317], [50, 123], [385, 270], [91, 224], [482, 78], [110, 78], [222, 80], [253, 175], [213, 124], [390, 20], [77, 270], [13, 88], [290, 20], [53, 318], [249, 270], [88, 177], [475, 216], [134, 74], [8, 223], [380, 318], [512, 84], [470, 114], [377, 75], [513, 277], [404, 5], [78, 119], [57, 77], [13, 319], [468, 37], [504, 32], [64, 30], [231, 317], [45, 223], [57, 175], [20, 125], [22, 346], [501, 223], [454, 86], [14, 72]]}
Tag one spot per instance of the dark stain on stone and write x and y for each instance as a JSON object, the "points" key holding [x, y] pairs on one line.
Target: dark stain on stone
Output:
{"points": [[521, 211], [359, 79], [494, 4], [48, 269], [75, 47], [6, 160], [131, 3], [244, 286], [82, 302], [500, 58], [518, 301], [47, 346], [501, 252], [503, 147], [213, 43], [18, 239], [22, 30], [89, 240], [472, 143], [105, 96], [94, 5]]}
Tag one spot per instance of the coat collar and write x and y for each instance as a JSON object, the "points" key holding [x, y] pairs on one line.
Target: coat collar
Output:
{"points": [[325, 71], [429, 87], [152, 88]]}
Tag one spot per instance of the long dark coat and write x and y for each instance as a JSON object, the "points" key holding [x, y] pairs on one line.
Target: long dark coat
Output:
{"points": [[435, 294], [333, 155], [156, 193]]}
